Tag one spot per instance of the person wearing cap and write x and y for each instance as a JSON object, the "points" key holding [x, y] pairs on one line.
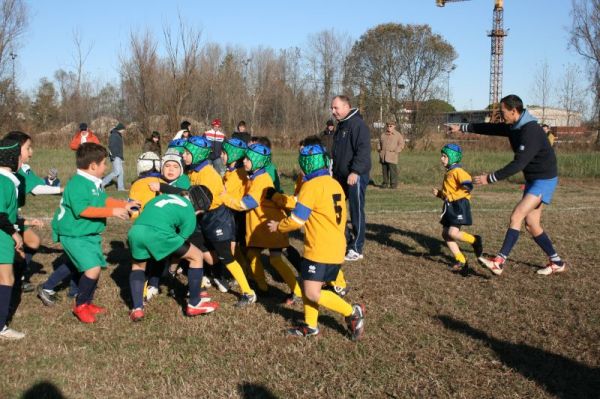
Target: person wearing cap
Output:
{"points": [[216, 137], [116, 153], [10, 239], [184, 132], [390, 144], [83, 135], [152, 144], [456, 194], [52, 179], [326, 136]]}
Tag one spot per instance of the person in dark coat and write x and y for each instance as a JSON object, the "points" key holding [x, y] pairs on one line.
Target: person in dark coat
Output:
{"points": [[116, 153], [351, 154], [152, 144]]}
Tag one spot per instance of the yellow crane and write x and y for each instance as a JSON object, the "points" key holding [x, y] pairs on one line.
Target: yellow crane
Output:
{"points": [[497, 34]]}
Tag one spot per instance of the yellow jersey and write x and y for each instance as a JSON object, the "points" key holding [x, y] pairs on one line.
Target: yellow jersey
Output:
{"points": [[206, 175], [140, 191], [457, 184], [235, 182], [321, 209]]}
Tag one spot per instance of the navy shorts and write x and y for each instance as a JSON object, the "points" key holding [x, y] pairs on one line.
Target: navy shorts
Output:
{"points": [[543, 188], [457, 213], [218, 225], [315, 271]]}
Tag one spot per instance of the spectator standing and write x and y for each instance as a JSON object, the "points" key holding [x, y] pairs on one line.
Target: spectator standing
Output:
{"points": [[83, 135], [52, 178], [216, 137], [184, 132], [391, 143], [351, 153], [152, 144], [241, 133], [326, 136], [116, 153]]}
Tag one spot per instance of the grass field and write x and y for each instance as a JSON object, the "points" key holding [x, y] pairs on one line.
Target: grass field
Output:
{"points": [[429, 333]]}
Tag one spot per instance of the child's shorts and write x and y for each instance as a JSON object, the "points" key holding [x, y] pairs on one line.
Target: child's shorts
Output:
{"points": [[146, 242], [85, 252], [7, 249], [457, 213], [218, 225], [315, 271], [543, 188]]}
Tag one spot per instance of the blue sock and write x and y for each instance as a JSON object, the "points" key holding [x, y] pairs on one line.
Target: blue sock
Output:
{"points": [[5, 294], [510, 239], [61, 273], [86, 290], [546, 244], [194, 280], [136, 285]]}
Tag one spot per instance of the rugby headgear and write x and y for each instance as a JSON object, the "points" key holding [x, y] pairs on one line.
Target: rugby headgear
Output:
{"points": [[199, 147], [178, 144], [148, 162], [235, 149], [259, 155], [10, 150], [200, 197], [172, 155], [453, 152], [312, 158]]}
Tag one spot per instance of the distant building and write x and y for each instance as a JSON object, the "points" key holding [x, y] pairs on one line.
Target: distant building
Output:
{"points": [[552, 116]]}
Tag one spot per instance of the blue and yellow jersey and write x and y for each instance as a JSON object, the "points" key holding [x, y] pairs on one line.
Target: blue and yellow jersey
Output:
{"points": [[206, 175], [288, 202], [235, 181], [140, 191], [321, 209], [259, 211], [457, 184]]}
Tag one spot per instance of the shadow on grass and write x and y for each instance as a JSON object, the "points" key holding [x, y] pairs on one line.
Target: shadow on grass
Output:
{"points": [[43, 390], [381, 234], [248, 390], [119, 254], [558, 375]]}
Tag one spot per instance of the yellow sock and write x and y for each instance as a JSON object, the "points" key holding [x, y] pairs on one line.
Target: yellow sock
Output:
{"points": [[311, 313], [334, 302], [460, 257], [466, 237], [286, 272], [238, 274], [258, 271], [340, 281]]}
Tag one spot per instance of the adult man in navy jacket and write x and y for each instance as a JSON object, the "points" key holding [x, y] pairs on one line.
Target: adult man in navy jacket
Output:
{"points": [[535, 157], [351, 154]]}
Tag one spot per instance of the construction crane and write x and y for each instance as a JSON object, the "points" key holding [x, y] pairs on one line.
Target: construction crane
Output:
{"points": [[497, 34]]}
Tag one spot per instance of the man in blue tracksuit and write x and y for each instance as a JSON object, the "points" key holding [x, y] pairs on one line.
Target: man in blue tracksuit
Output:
{"points": [[351, 155]]}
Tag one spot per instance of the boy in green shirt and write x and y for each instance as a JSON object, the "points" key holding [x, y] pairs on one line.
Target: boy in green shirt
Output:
{"points": [[81, 218], [10, 239]]}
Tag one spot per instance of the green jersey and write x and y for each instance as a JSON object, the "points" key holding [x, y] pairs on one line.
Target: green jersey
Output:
{"points": [[169, 213], [8, 195], [29, 180], [81, 192], [182, 181]]}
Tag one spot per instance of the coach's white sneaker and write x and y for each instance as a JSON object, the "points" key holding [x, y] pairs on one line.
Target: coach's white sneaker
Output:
{"points": [[551, 268], [352, 256], [10, 334]]}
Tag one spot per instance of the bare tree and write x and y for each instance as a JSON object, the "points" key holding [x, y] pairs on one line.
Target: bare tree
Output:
{"points": [[585, 39], [542, 87], [183, 51], [569, 92]]}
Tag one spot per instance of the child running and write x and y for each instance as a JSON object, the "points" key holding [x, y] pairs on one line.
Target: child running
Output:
{"points": [[80, 220], [321, 211], [456, 194]]}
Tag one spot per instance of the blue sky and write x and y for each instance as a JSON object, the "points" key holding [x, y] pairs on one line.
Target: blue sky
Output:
{"points": [[538, 31]]}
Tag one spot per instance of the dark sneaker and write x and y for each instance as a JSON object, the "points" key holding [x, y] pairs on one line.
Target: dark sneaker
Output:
{"points": [[460, 268], [478, 246], [26, 286], [303, 331], [245, 300], [356, 322], [48, 298]]}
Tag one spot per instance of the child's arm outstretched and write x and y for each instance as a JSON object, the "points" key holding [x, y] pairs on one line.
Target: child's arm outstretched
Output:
{"points": [[114, 207]]}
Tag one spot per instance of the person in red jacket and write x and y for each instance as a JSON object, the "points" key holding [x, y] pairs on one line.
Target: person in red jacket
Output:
{"points": [[83, 136]]}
